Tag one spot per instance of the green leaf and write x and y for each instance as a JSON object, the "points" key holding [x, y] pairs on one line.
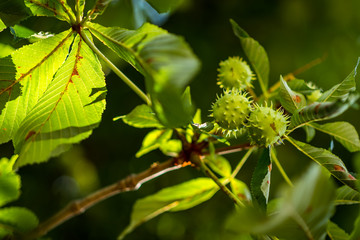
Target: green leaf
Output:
{"points": [[67, 111], [240, 189], [342, 90], [310, 133], [141, 117], [165, 5], [165, 60], [343, 132], [2, 25], [9, 181], [302, 214], [51, 8], [153, 140], [5, 50], [289, 99], [171, 147], [219, 164], [328, 160], [20, 219], [260, 182], [335, 232], [35, 66], [256, 54], [320, 111], [300, 86], [177, 198], [347, 195], [98, 8]]}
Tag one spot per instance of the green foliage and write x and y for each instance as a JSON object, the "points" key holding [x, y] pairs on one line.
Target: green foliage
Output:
{"points": [[141, 116], [52, 95], [260, 182], [328, 160], [12, 219], [302, 214], [176, 198]]}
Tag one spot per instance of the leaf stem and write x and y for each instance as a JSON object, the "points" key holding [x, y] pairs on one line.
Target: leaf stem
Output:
{"points": [[242, 162], [281, 169], [130, 183], [198, 160], [123, 77], [233, 149]]}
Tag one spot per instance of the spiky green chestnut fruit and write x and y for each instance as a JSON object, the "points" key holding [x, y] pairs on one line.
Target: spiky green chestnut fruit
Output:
{"points": [[234, 73], [266, 125], [231, 109]]}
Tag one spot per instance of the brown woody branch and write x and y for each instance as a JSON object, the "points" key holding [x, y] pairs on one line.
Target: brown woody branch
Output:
{"points": [[131, 183]]}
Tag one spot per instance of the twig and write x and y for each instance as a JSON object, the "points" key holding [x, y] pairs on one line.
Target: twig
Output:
{"points": [[233, 149], [198, 160], [130, 183], [282, 171]]}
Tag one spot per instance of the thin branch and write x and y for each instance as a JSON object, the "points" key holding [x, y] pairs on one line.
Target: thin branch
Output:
{"points": [[131, 183], [198, 160], [242, 162], [233, 149], [282, 171], [123, 77]]}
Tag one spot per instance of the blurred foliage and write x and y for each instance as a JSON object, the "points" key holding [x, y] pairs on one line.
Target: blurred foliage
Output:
{"points": [[293, 34]]}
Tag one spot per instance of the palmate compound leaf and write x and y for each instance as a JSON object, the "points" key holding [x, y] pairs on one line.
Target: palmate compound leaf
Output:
{"points": [[328, 160], [165, 60], [342, 90], [36, 65], [303, 213], [67, 111], [51, 8], [343, 132], [98, 8], [177, 198], [289, 99], [255, 53]]}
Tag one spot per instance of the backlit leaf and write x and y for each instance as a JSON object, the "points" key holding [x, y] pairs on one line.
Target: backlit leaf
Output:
{"points": [[51, 8], [35, 66], [153, 140], [9, 181], [328, 160], [219, 164], [343, 132], [255, 53], [67, 111], [98, 8], [241, 190], [20, 219], [141, 117], [177, 198]]}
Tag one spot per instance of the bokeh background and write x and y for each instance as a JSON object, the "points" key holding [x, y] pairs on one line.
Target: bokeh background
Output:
{"points": [[293, 33]]}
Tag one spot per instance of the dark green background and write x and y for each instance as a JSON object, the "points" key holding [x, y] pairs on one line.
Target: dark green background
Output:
{"points": [[293, 32]]}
